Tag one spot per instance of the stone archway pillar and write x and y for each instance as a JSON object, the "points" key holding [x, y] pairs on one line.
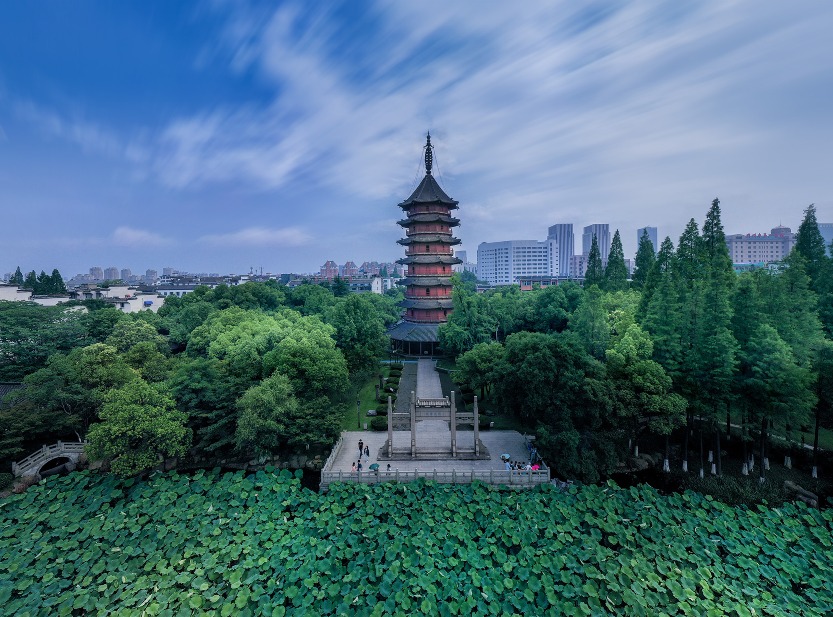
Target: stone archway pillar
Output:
{"points": [[476, 429], [453, 425], [390, 428], [413, 424]]}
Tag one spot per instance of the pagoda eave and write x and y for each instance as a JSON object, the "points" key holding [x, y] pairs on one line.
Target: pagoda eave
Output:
{"points": [[428, 238], [435, 303], [427, 281], [429, 218], [443, 260]]}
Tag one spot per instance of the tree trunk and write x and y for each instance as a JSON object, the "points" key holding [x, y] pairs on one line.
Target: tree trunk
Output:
{"points": [[763, 449], [816, 442], [743, 437], [701, 447], [728, 424], [665, 465], [719, 458], [685, 442]]}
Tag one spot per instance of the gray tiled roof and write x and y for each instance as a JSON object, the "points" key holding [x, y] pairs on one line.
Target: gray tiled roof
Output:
{"points": [[6, 388], [416, 332], [428, 192]]}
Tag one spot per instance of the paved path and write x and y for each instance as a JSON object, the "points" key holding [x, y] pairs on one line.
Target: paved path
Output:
{"points": [[428, 380], [430, 432]]}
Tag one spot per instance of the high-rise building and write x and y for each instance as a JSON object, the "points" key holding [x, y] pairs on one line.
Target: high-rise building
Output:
{"points": [[111, 273], [503, 263], [429, 258], [97, 273], [151, 276], [169, 271], [578, 266], [126, 274], [602, 233], [761, 248], [562, 233], [652, 235], [826, 230]]}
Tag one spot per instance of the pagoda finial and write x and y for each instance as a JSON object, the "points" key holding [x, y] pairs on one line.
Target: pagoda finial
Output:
{"points": [[429, 155]]}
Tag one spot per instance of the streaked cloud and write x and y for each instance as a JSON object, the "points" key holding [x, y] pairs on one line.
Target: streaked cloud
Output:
{"points": [[131, 237], [630, 113], [259, 236]]}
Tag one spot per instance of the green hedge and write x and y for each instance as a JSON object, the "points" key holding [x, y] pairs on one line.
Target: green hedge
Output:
{"points": [[379, 424]]}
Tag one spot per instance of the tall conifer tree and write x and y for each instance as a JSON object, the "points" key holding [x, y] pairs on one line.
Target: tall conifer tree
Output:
{"points": [[810, 245], [17, 279], [595, 273], [645, 258], [616, 272], [716, 348]]}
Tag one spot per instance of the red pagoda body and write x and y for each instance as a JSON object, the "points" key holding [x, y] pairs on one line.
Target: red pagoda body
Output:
{"points": [[429, 259]]}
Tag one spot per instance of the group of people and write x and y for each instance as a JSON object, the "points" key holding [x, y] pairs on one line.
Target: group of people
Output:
{"points": [[363, 451], [520, 466]]}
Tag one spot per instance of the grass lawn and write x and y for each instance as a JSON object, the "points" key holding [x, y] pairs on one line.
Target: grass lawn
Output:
{"points": [[367, 395], [447, 364]]}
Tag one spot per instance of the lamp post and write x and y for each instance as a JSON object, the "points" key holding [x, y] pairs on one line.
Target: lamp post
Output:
{"points": [[358, 413]]}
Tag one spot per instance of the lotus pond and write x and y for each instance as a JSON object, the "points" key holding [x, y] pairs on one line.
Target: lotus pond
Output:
{"points": [[232, 544]]}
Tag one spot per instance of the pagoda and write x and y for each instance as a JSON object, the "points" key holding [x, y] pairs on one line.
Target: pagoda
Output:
{"points": [[429, 259]]}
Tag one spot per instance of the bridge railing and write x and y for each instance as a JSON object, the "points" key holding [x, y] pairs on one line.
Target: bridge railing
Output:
{"points": [[48, 452], [515, 479], [333, 454], [433, 402]]}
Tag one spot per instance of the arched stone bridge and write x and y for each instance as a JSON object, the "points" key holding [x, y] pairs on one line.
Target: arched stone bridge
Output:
{"points": [[32, 464]]}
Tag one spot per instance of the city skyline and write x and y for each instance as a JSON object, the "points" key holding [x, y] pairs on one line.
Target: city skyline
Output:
{"points": [[227, 136]]}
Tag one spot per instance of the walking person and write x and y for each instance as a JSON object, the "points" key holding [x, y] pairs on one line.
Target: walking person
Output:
{"points": [[367, 451], [361, 448], [353, 468]]}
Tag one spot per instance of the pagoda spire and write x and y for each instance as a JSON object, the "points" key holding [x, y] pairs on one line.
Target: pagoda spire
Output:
{"points": [[429, 155]]}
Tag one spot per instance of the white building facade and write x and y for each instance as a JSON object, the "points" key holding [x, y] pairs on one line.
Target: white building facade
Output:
{"points": [[503, 263], [760, 248]]}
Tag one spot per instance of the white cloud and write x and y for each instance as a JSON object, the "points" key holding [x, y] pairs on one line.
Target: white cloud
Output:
{"points": [[131, 237], [259, 237]]}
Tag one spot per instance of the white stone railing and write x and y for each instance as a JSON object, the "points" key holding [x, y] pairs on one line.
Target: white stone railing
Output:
{"points": [[514, 479], [47, 453]]}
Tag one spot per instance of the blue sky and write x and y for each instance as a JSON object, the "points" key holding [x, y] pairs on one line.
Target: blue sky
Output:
{"points": [[222, 135]]}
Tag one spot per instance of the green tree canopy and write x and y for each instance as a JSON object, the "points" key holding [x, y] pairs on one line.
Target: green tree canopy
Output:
{"points": [[138, 425]]}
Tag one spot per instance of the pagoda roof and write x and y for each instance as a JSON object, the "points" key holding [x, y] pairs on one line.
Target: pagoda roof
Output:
{"points": [[429, 192], [426, 281], [432, 217], [416, 332], [427, 303], [429, 259], [432, 237]]}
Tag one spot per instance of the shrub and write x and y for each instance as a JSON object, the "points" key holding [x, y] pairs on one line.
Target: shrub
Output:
{"points": [[383, 398], [382, 409], [395, 374], [397, 366], [6, 481], [379, 424]]}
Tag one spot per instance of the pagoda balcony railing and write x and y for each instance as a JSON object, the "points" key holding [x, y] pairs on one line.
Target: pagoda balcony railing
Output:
{"points": [[415, 232], [431, 320], [422, 296], [440, 210], [415, 252]]}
